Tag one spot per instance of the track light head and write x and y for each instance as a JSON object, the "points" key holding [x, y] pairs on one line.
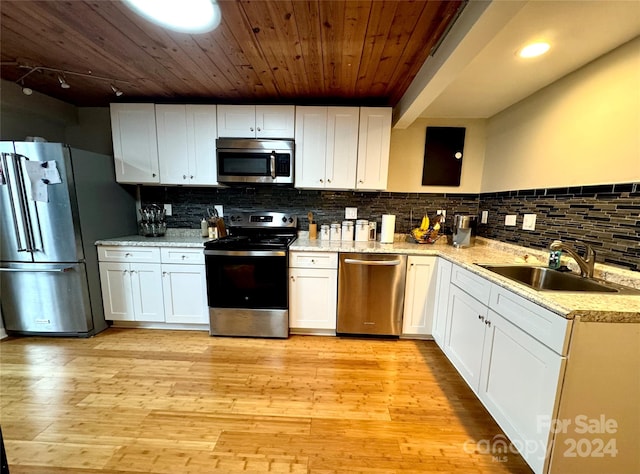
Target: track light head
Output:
{"points": [[63, 83], [116, 91], [27, 90]]}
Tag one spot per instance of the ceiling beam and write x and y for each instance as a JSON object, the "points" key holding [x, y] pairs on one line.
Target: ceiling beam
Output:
{"points": [[477, 25]]}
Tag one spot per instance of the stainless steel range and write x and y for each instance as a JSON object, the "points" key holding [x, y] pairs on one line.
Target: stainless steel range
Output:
{"points": [[247, 276]]}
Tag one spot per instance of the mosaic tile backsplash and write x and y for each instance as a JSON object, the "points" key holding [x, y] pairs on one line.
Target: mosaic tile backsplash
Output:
{"points": [[607, 217]]}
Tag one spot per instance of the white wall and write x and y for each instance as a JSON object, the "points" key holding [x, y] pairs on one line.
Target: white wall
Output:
{"points": [[583, 129], [407, 157]]}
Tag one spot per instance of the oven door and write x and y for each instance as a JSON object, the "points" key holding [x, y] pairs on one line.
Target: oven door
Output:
{"points": [[248, 293]]}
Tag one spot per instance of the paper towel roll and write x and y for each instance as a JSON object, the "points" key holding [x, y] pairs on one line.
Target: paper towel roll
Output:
{"points": [[388, 228]]}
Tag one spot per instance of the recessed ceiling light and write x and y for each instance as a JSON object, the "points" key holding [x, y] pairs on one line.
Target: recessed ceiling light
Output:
{"points": [[183, 16], [534, 49]]}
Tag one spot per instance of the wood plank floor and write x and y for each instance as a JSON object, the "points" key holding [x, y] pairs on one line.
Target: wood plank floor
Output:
{"points": [[133, 400]]}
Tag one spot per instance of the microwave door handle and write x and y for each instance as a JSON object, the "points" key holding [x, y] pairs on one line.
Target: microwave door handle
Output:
{"points": [[272, 160], [16, 201]]}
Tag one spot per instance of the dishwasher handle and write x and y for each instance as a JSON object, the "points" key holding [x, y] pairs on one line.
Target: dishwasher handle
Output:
{"points": [[387, 263]]}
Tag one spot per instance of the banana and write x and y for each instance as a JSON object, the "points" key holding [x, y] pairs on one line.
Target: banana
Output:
{"points": [[425, 223]]}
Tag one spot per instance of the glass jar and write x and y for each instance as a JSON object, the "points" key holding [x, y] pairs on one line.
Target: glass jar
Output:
{"points": [[324, 232], [335, 233], [347, 230]]}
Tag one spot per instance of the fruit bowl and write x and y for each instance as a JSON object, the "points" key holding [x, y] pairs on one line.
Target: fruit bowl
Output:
{"points": [[428, 237]]}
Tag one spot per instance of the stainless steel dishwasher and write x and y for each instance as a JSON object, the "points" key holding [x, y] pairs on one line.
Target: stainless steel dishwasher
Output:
{"points": [[371, 293]]}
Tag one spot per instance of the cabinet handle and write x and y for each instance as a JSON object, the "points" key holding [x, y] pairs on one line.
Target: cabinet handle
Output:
{"points": [[480, 317], [153, 175], [127, 255], [488, 323], [125, 271], [259, 129], [184, 176], [164, 274], [322, 181], [191, 177], [183, 257], [360, 181], [251, 129], [293, 278]]}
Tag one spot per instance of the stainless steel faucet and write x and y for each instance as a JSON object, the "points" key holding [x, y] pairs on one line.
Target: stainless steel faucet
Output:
{"points": [[586, 264]]}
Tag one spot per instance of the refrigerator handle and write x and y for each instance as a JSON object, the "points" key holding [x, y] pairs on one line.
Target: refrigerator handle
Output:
{"points": [[20, 224], [34, 233]]}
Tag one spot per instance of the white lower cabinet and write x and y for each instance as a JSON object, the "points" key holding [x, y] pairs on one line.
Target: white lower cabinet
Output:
{"points": [[151, 284], [512, 355], [313, 291], [443, 281], [419, 296], [131, 291]]}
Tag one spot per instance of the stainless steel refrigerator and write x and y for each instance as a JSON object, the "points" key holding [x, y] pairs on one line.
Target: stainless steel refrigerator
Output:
{"points": [[55, 202]]}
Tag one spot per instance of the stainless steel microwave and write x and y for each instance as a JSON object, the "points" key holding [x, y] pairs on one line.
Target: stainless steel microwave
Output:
{"points": [[248, 160]]}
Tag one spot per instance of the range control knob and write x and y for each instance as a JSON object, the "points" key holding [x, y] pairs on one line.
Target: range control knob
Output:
{"points": [[290, 220], [284, 219]]}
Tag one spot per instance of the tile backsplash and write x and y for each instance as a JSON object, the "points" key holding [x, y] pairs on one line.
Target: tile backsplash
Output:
{"points": [[607, 217]]}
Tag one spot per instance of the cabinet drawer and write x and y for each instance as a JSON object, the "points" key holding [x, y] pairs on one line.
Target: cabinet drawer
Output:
{"points": [[471, 283], [128, 254], [182, 255], [549, 328], [313, 259]]}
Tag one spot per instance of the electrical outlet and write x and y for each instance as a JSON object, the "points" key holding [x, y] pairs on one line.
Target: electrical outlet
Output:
{"points": [[168, 210], [350, 212], [441, 212], [510, 220], [484, 217], [529, 222], [219, 210]]}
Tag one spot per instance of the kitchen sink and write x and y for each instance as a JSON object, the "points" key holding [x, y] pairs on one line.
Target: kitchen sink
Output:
{"points": [[547, 279]]}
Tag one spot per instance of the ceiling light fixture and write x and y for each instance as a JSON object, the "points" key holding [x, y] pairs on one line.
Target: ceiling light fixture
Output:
{"points": [[61, 75], [63, 82], [183, 16], [116, 91], [534, 50]]}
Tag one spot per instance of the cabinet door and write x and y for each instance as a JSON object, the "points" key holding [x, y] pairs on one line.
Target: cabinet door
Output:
{"points": [[312, 298], [135, 149], [464, 337], [115, 282], [237, 121], [442, 300], [419, 299], [311, 147], [173, 144], [373, 147], [275, 121], [201, 144], [342, 147], [519, 385], [185, 294], [146, 285]]}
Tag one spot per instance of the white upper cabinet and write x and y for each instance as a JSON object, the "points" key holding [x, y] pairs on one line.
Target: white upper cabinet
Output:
{"points": [[326, 147], [187, 144], [135, 150], [373, 148], [256, 121]]}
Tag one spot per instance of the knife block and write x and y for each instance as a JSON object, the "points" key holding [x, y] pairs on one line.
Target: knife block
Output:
{"points": [[313, 231]]}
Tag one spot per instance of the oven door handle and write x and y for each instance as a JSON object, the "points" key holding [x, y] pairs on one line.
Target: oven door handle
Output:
{"points": [[247, 253]]}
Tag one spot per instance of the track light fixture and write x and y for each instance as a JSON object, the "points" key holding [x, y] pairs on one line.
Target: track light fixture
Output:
{"points": [[116, 91], [61, 75], [63, 82]]}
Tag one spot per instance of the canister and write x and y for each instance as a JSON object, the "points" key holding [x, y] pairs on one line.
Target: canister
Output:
{"points": [[347, 230], [362, 230], [324, 232], [335, 233], [372, 230]]}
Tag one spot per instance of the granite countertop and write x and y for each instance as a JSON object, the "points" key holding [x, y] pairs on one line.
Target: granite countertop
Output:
{"points": [[588, 307]]}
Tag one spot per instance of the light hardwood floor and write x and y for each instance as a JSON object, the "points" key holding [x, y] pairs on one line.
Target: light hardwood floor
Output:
{"points": [[132, 400]]}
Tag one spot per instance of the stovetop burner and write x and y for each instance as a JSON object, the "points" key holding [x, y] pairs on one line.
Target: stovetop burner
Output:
{"points": [[257, 230]]}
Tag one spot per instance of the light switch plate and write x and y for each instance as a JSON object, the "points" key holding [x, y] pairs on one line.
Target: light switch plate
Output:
{"points": [[168, 210], [529, 222], [484, 217], [219, 210], [350, 212], [510, 220]]}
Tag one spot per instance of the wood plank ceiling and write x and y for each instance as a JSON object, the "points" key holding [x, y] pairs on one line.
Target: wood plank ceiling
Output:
{"points": [[264, 51]]}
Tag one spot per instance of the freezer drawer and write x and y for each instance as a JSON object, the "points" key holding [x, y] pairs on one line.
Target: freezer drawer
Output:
{"points": [[371, 293], [45, 298]]}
